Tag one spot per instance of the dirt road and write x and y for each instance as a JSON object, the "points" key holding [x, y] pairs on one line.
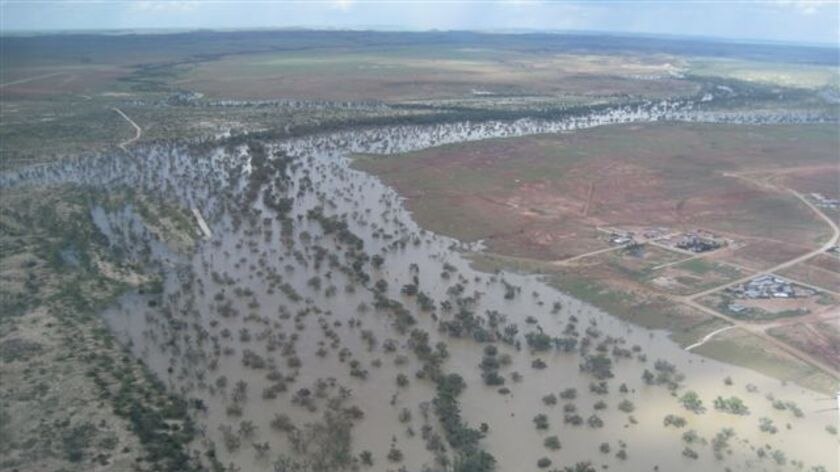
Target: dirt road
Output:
{"points": [[137, 130], [709, 336], [31, 79]]}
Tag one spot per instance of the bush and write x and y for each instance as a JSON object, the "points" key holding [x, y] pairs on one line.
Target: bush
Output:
{"points": [[76, 440], [691, 401], [538, 341], [599, 366], [395, 455], [732, 405], [626, 406], [366, 457], [580, 467], [552, 442], [541, 421], [538, 364], [474, 461], [766, 425], [675, 421]]}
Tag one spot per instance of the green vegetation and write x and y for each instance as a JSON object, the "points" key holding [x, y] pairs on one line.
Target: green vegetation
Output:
{"points": [[752, 352], [732, 405], [766, 425], [675, 421], [61, 285], [541, 421], [552, 442], [691, 401], [626, 406]]}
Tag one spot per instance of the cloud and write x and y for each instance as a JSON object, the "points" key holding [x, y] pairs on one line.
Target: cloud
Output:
{"points": [[805, 7], [164, 5], [342, 5]]}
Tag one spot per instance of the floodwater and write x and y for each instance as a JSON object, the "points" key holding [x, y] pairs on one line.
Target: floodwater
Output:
{"points": [[277, 306]]}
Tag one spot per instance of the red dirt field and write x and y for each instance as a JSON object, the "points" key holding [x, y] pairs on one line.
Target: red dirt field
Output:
{"points": [[543, 196], [827, 262], [822, 271], [820, 179], [763, 254]]}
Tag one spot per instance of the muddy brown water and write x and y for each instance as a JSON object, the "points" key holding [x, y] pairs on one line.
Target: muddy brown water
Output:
{"points": [[190, 342]]}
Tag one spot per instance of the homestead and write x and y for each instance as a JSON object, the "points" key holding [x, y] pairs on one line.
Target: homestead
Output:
{"points": [[697, 241], [769, 286]]}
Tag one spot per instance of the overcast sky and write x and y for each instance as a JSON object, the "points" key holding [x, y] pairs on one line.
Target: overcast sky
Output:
{"points": [[810, 21]]}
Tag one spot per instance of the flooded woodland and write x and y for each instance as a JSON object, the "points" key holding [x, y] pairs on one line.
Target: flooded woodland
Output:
{"points": [[316, 327]]}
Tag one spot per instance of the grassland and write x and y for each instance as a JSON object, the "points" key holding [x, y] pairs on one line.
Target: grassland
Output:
{"points": [[744, 349], [809, 76], [821, 337], [58, 91], [695, 275], [418, 73]]}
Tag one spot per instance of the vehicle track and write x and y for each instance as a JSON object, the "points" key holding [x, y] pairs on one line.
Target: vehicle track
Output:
{"points": [[137, 130]]}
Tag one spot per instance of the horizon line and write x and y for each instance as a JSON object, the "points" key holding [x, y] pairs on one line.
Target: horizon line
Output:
{"points": [[11, 32]]}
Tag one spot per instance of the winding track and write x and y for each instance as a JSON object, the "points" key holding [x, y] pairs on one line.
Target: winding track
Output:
{"points": [[137, 130]]}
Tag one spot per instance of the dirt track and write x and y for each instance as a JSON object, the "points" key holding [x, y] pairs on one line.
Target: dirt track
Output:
{"points": [[137, 130], [31, 79], [709, 336]]}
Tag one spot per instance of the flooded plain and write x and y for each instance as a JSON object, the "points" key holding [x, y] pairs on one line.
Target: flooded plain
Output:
{"points": [[301, 331]]}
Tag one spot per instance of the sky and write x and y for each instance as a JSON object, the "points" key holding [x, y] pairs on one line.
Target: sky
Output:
{"points": [[801, 21]]}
